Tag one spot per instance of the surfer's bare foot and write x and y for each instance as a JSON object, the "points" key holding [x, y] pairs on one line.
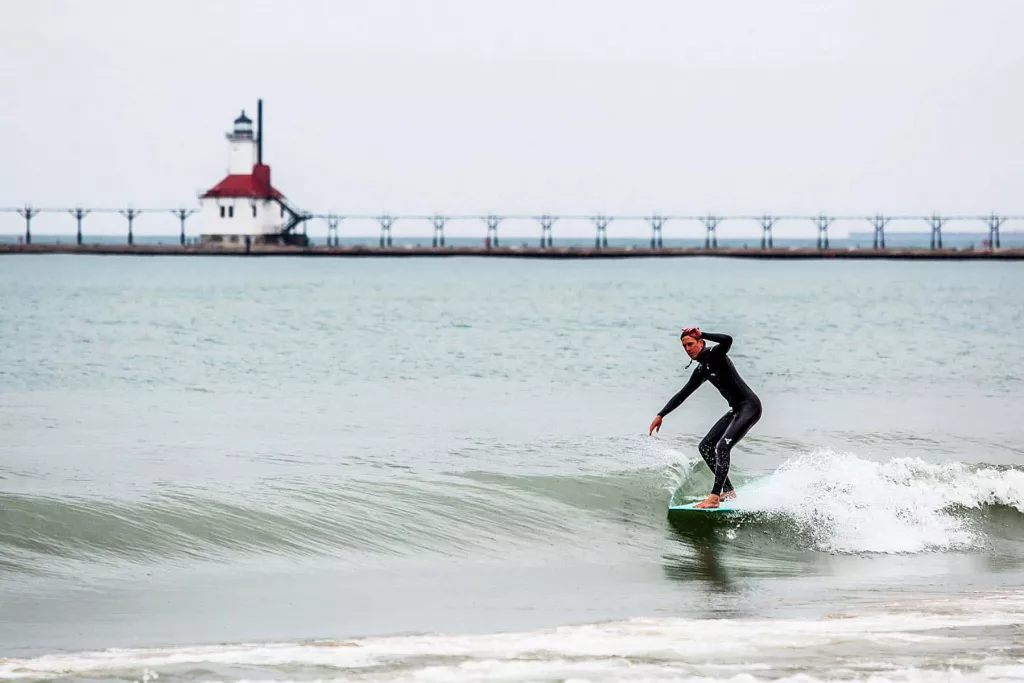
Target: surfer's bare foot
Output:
{"points": [[710, 502], [728, 495]]}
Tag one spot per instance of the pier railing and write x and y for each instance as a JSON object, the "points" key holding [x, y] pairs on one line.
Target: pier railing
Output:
{"points": [[546, 222]]}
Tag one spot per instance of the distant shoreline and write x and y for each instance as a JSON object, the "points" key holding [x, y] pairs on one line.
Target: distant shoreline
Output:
{"points": [[573, 252]]}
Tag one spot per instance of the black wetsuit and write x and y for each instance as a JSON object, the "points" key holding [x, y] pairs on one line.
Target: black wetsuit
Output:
{"points": [[744, 406]]}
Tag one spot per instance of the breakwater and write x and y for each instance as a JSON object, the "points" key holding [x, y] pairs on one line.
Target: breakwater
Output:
{"points": [[568, 252]]}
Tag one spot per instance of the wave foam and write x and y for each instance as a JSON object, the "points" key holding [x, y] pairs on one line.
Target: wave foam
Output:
{"points": [[847, 504], [923, 636], [905, 505]]}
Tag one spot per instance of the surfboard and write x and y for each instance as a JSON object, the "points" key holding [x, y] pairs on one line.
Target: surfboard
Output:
{"points": [[735, 505]]}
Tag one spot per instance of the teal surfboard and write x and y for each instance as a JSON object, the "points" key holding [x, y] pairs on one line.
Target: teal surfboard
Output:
{"points": [[723, 507], [688, 519], [726, 507]]}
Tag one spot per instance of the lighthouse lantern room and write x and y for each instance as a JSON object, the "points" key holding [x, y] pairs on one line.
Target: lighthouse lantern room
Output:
{"points": [[244, 208]]}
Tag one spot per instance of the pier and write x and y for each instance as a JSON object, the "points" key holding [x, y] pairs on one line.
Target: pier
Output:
{"points": [[526, 252], [298, 243], [245, 214], [822, 222]]}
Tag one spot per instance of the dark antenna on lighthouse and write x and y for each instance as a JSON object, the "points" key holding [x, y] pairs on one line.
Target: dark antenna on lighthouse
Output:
{"points": [[259, 132]]}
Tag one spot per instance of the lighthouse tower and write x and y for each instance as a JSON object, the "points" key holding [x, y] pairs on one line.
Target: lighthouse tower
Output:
{"points": [[244, 208], [243, 146]]}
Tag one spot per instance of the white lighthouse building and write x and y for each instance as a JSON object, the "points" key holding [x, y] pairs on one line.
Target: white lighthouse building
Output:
{"points": [[244, 209]]}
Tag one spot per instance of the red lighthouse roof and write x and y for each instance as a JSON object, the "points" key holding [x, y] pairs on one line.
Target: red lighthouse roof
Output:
{"points": [[255, 185]]}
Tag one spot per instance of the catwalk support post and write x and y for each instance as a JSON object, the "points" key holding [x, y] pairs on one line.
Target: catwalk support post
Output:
{"points": [[879, 221], [545, 229], [994, 222], [492, 229], [656, 222], [823, 221], [601, 223], [936, 222], [28, 213], [332, 230], [182, 214], [767, 222], [711, 236], [439, 223], [79, 214], [131, 214], [385, 230]]}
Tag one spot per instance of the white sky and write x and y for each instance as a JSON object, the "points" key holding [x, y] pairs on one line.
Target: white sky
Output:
{"points": [[900, 106]]}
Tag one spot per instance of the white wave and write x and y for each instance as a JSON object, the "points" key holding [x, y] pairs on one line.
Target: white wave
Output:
{"points": [[851, 505], [922, 636]]}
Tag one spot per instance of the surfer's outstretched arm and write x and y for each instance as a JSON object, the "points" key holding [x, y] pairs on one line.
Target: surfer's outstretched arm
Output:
{"points": [[696, 379]]}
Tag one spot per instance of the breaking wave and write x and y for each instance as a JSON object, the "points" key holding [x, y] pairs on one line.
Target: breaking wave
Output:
{"points": [[823, 502], [836, 502]]}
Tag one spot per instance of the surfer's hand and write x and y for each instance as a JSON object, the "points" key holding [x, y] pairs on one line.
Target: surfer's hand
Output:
{"points": [[655, 425], [692, 332]]}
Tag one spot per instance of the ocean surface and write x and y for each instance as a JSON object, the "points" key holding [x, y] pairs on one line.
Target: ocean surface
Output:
{"points": [[439, 470]]}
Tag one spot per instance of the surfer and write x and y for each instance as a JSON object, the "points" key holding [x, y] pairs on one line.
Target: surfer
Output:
{"points": [[715, 366]]}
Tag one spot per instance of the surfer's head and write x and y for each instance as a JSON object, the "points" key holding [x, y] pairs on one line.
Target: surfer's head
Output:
{"points": [[692, 343]]}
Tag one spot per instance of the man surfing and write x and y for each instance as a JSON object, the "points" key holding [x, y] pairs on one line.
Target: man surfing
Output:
{"points": [[744, 406]]}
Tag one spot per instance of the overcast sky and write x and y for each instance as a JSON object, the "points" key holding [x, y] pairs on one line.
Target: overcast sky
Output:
{"points": [[902, 106]]}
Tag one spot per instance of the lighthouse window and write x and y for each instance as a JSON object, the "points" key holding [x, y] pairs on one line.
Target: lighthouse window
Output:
{"points": [[222, 212], [282, 212], [231, 212], [254, 211]]}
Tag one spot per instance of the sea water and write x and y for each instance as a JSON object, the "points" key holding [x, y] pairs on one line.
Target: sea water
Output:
{"points": [[226, 469]]}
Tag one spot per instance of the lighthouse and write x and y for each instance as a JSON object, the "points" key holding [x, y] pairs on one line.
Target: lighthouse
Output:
{"points": [[244, 209]]}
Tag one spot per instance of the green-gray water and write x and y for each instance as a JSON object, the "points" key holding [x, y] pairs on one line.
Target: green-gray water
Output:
{"points": [[232, 469]]}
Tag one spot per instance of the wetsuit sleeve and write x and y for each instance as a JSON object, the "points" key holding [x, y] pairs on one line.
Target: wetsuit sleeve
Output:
{"points": [[696, 379], [724, 341]]}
